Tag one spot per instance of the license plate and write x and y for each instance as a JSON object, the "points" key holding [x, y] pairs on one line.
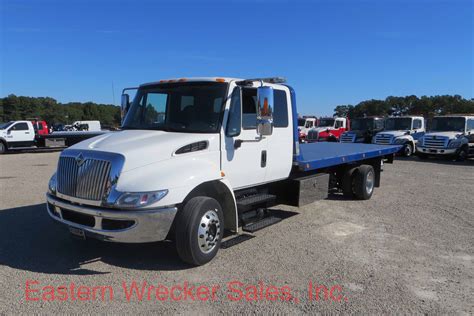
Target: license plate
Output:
{"points": [[433, 151], [77, 232]]}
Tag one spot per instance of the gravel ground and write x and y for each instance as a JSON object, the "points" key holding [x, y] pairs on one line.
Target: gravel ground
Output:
{"points": [[409, 249]]}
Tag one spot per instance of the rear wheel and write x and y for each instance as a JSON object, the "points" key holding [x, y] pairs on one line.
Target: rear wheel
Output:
{"points": [[348, 183], [3, 147], [199, 230], [364, 182]]}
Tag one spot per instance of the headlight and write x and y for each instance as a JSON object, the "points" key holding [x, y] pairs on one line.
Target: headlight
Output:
{"points": [[139, 199], [399, 141], [454, 143], [52, 184]]}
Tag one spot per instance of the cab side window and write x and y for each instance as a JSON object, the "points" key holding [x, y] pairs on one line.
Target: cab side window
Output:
{"points": [[280, 109], [339, 124], [249, 108], [20, 127], [470, 125], [416, 124]]}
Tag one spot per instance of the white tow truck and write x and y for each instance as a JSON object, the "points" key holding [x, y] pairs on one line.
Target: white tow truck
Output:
{"points": [[199, 156], [306, 123], [449, 136], [402, 130]]}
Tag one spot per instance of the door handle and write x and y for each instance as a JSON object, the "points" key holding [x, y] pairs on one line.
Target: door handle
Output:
{"points": [[263, 162], [27, 132]]}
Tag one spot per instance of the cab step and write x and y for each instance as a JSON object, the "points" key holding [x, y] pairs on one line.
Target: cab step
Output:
{"points": [[265, 222], [235, 240], [248, 203]]}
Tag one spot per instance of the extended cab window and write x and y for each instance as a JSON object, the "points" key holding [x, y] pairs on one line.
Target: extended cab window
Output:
{"points": [[249, 108], [20, 127]]}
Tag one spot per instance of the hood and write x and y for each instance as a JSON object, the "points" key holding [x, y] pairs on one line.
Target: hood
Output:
{"points": [[358, 133], [321, 129], [394, 133], [449, 135], [143, 147]]}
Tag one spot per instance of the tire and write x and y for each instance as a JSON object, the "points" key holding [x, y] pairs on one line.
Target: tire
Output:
{"points": [[3, 147], [364, 182], [462, 154], [200, 217], [348, 183], [408, 150]]}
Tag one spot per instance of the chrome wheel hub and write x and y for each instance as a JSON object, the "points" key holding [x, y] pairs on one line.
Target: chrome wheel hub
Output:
{"points": [[209, 231], [369, 182]]}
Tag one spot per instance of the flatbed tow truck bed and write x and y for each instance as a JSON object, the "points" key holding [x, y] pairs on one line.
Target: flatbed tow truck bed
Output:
{"points": [[327, 154]]}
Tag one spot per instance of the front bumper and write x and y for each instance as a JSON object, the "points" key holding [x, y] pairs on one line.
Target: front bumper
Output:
{"points": [[127, 226], [437, 151]]}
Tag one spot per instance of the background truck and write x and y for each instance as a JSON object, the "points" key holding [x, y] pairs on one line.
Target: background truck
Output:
{"points": [[20, 135], [449, 136], [306, 123], [197, 157], [328, 129], [403, 130], [363, 130]]}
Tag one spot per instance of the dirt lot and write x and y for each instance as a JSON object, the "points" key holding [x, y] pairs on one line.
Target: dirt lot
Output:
{"points": [[410, 249]]}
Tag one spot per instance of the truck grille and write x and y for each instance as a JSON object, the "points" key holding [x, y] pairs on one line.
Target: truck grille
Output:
{"points": [[383, 139], [86, 180], [348, 138], [312, 135], [435, 141]]}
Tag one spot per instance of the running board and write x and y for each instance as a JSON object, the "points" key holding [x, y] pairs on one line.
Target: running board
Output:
{"points": [[255, 226]]}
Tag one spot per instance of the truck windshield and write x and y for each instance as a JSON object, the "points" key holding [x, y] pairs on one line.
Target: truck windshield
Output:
{"points": [[326, 123], [448, 124], [5, 125], [398, 124], [363, 124], [301, 122], [191, 107]]}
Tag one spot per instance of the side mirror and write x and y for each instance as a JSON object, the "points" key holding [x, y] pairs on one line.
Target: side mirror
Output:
{"points": [[125, 104], [264, 111]]}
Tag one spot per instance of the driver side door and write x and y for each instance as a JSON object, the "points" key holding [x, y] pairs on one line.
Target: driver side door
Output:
{"points": [[243, 154]]}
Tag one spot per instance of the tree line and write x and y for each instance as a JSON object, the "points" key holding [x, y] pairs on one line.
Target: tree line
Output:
{"points": [[427, 106], [13, 108]]}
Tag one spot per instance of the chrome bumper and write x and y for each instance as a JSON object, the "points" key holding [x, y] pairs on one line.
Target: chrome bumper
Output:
{"points": [[125, 226], [437, 151]]}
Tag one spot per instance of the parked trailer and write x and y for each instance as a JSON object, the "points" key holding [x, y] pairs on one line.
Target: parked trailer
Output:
{"points": [[188, 168]]}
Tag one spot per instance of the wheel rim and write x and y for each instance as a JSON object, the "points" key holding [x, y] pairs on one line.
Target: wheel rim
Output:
{"points": [[209, 231], [408, 150], [369, 182], [462, 154]]}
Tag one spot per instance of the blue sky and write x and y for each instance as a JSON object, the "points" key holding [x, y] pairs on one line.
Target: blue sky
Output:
{"points": [[332, 52]]}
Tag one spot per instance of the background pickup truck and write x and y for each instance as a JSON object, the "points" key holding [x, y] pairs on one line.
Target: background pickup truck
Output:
{"points": [[200, 157]]}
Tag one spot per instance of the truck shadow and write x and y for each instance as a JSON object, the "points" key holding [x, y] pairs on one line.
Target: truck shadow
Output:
{"points": [[30, 240]]}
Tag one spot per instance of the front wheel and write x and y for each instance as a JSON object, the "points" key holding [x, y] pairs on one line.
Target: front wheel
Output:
{"points": [[462, 154], [3, 148], [408, 150], [199, 230]]}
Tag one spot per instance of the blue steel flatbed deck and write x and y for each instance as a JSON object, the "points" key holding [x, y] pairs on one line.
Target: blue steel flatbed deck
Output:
{"points": [[327, 154]]}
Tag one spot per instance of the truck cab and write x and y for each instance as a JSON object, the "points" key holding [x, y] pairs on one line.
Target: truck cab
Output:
{"points": [[305, 123], [199, 156], [40, 127], [403, 130], [449, 136], [328, 129], [363, 129], [16, 134]]}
